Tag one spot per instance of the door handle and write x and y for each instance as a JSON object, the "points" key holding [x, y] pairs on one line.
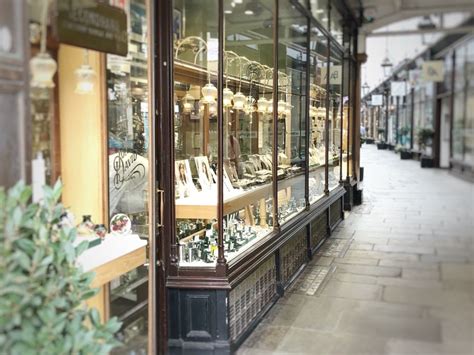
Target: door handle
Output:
{"points": [[160, 194]]}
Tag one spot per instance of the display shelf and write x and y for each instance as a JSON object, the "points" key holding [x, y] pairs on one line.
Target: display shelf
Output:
{"points": [[203, 204], [115, 256], [132, 311], [129, 286]]}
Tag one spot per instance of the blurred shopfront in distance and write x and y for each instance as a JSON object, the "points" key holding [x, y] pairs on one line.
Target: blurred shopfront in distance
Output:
{"points": [[432, 120]]}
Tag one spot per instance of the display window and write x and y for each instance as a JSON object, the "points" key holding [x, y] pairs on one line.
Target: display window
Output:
{"points": [[469, 130], [317, 115], [266, 149], [319, 9], [458, 126], [336, 26], [128, 148], [335, 103], [91, 128], [292, 109], [347, 112], [195, 130], [248, 129]]}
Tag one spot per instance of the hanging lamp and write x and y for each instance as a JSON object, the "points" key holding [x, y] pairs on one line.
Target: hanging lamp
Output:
{"points": [[85, 76], [43, 66]]}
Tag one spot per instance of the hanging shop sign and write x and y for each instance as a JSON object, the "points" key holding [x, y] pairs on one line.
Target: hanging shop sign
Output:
{"points": [[414, 76], [377, 100], [335, 75], [398, 88], [93, 25], [433, 70]]}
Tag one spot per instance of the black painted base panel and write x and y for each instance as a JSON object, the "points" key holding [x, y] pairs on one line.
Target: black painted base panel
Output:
{"points": [[217, 321]]}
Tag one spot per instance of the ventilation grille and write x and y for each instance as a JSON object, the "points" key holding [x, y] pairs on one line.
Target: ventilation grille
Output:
{"points": [[251, 296], [335, 212], [319, 229], [293, 255]]}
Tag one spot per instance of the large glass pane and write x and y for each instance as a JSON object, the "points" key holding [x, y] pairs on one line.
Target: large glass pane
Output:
{"points": [[459, 68], [317, 113], [469, 128], [195, 33], [458, 125], [319, 9], [470, 63], [292, 62], [248, 126], [448, 71], [346, 119], [335, 102], [336, 25], [128, 148]]}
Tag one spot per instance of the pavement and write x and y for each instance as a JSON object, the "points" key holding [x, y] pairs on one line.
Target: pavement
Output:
{"points": [[396, 277]]}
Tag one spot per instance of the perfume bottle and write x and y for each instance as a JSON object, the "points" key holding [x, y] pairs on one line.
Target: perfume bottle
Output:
{"points": [[100, 230], [86, 227]]}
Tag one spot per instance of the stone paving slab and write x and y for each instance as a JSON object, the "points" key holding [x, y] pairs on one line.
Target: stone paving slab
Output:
{"points": [[395, 277]]}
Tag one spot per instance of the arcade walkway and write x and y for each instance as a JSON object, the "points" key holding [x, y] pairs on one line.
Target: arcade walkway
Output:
{"points": [[397, 277]]}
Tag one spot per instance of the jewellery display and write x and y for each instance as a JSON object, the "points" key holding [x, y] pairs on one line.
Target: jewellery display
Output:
{"points": [[248, 128]]}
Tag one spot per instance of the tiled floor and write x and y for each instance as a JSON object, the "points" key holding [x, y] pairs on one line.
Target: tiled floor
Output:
{"points": [[397, 276]]}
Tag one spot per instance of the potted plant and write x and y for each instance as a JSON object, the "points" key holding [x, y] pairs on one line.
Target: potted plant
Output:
{"points": [[381, 142], [425, 137], [425, 140], [43, 292]]}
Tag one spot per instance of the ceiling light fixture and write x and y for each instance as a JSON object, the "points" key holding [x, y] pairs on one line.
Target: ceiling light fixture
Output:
{"points": [[43, 66], [85, 76]]}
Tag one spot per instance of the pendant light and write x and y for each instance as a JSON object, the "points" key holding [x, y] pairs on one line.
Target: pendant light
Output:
{"points": [[288, 109], [188, 103], [281, 107], [85, 76], [263, 103], [43, 66], [250, 104], [239, 97], [212, 108], [270, 106], [227, 94], [209, 92]]}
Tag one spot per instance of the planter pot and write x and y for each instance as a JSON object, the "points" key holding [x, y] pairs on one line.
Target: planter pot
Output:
{"points": [[369, 141], [427, 162], [404, 155], [381, 146], [390, 147]]}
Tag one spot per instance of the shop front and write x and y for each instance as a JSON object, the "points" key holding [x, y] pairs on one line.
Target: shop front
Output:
{"points": [[260, 157], [212, 144], [92, 125]]}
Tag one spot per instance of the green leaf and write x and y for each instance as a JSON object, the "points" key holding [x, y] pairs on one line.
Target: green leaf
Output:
{"points": [[82, 247], [41, 288], [95, 317]]}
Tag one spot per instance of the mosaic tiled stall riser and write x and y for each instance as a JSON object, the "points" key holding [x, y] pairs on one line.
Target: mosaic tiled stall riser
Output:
{"points": [[319, 230], [292, 255], [251, 296], [335, 212]]}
